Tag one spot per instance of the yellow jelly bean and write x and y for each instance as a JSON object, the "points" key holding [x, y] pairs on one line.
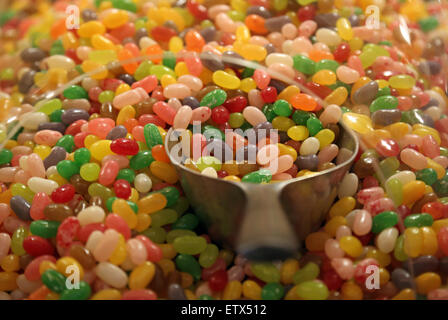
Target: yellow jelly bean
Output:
{"points": [[438, 224], [57, 178], [351, 291], [251, 290], [166, 265], [175, 44], [151, 203], [168, 250], [324, 77], [226, 80], [384, 276], [356, 43], [251, 51], [142, 275], [398, 130], [248, 84], [325, 137], [287, 271], [405, 294], [282, 123], [116, 19], [342, 207], [232, 291], [45, 265], [351, 245], [383, 258], [242, 34], [122, 208], [427, 282], [107, 294], [338, 96], [284, 149], [119, 255], [126, 113], [413, 242], [164, 171], [69, 266], [167, 80], [10, 263], [100, 149], [143, 222], [292, 294], [412, 191], [358, 122], [401, 81], [333, 224], [344, 29], [90, 140], [437, 167], [430, 243], [181, 69], [298, 133], [88, 29], [8, 281], [288, 93], [122, 88], [102, 43], [42, 151]]}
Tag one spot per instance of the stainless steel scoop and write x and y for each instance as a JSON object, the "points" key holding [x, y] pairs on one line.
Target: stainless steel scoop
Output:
{"points": [[264, 221]]}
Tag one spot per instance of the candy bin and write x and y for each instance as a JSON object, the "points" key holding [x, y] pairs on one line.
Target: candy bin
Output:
{"points": [[223, 150]]}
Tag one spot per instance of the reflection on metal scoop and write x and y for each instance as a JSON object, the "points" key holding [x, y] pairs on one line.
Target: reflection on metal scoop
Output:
{"points": [[264, 221]]}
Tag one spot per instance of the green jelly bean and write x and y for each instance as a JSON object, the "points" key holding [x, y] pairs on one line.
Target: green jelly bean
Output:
{"points": [[304, 64], [413, 117], [54, 280], [384, 102], [106, 96], [156, 234], [260, 176], [427, 175], [313, 290], [169, 59], [326, 64], [441, 186], [247, 72], [211, 132], [188, 221], [444, 200], [67, 169], [187, 263], [208, 257], [399, 252], [48, 107], [17, 241], [45, 229], [418, 220], [208, 161], [272, 291], [181, 206], [383, 92], [205, 297], [369, 54], [127, 5], [444, 151], [214, 98], [428, 24], [236, 15], [384, 220], [282, 108], [171, 194], [141, 160], [67, 142], [19, 189], [190, 245], [97, 189], [152, 135], [126, 174], [389, 166], [143, 70], [173, 234], [57, 48], [314, 125], [265, 271], [5, 156], [81, 156], [301, 117], [309, 272], [75, 92], [268, 110], [159, 71], [83, 292], [394, 189], [163, 217], [56, 116]]}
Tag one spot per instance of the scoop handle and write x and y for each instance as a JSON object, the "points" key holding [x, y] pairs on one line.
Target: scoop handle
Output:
{"points": [[265, 233]]}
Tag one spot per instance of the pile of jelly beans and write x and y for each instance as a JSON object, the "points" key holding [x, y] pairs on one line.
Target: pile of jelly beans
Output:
{"points": [[87, 190]]}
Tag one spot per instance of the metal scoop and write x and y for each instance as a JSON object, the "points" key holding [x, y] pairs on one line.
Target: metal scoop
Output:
{"points": [[265, 221]]}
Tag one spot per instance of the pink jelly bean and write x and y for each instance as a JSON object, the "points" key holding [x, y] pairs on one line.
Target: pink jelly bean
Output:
{"points": [[138, 133], [40, 201], [347, 75], [332, 249], [362, 223], [258, 40], [130, 97], [202, 289], [254, 115], [137, 251], [47, 137], [379, 205], [22, 177], [4, 212], [32, 270], [234, 140], [11, 224], [411, 139], [331, 114], [301, 45], [282, 69], [108, 173], [106, 245], [343, 267], [413, 159], [194, 83], [387, 148], [154, 253], [255, 99], [235, 273], [183, 117], [148, 83], [225, 23], [369, 194], [307, 28], [430, 147], [139, 294], [442, 160], [114, 221], [176, 90], [100, 127], [174, 103], [7, 174], [261, 78], [355, 63], [282, 176], [164, 111], [194, 64], [35, 166], [280, 164], [5, 244], [201, 114], [328, 153], [343, 231], [267, 154]]}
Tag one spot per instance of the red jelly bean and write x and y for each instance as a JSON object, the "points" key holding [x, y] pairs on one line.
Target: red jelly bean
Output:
{"points": [[63, 194], [219, 264], [442, 236], [154, 252], [32, 269], [123, 146], [220, 115], [269, 94], [84, 232], [75, 127], [332, 280], [67, 231], [122, 189], [361, 272], [37, 246], [114, 221], [162, 34], [199, 11], [342, 52], [387, 148], [218, 280], [437, 210], [40, 201], [236, 104], [139, 294], [306, 13]]}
